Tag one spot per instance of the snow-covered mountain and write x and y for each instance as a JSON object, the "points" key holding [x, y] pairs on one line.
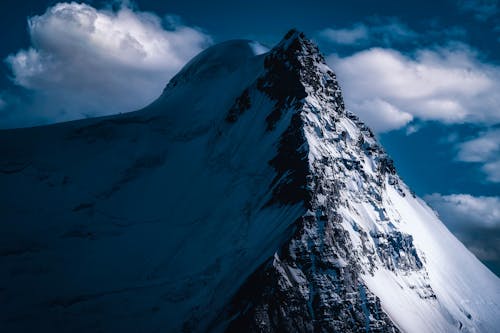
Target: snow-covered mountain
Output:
{"points": [[245, 199]]}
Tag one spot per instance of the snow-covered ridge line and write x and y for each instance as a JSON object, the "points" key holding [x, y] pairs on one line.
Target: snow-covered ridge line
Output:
{"points": [[353, 264], [246, 198]]}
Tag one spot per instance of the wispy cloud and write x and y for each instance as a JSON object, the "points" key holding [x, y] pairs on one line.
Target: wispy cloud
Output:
{"points": [[85, 61], [485, 149], [354, 35], [492, 170], [382, 32], [450, 84], [388, 32], [481, 9]]}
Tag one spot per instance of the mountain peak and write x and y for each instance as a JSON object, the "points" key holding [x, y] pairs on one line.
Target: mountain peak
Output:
{"points": [[260, 204], [295, 38], [295, 43], [294, 35], [295, 70]]}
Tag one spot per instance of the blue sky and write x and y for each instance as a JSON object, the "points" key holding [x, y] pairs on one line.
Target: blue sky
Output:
{"points": [[424, 75]]}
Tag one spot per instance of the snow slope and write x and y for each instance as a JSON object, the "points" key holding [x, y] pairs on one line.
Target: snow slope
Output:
{"points": [[142, 221], [247, 168], [467, 292]]}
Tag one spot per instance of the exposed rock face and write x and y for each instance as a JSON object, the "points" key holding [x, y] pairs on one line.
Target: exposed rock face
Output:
{"points": [[313, 283]]}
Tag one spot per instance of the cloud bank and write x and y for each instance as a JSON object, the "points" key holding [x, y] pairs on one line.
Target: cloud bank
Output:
{"points": [[88, 62], [388, 89]]}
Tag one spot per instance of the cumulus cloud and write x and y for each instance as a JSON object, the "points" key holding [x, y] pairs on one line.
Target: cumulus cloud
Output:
{"points": [[87, 62], [451, 85], [483, 149], [383, 32]]}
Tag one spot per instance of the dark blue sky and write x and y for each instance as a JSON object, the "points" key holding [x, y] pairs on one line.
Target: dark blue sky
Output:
{"points": [[267, 21], [435, 153]]}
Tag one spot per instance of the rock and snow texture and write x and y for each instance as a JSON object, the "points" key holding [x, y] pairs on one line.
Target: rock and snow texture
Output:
{"points": [[246, 198], [367, 255]]}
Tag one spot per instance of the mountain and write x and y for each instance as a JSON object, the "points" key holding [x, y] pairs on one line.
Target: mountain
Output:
{"points": [[245, 199]]}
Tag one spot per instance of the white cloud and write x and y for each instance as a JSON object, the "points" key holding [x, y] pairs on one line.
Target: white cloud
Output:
{"points": [[464, 210], [450, 85], [85, 61], [381, 115], [492, 170], [384, 32], [483, 149], [358, 33], [411, 129]]}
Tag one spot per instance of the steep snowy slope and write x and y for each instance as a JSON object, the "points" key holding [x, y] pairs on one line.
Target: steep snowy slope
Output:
{"points": [[367, 255], [244, 199]]}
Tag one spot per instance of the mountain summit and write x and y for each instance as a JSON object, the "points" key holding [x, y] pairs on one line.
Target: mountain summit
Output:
{"points": [[245, 199]]}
